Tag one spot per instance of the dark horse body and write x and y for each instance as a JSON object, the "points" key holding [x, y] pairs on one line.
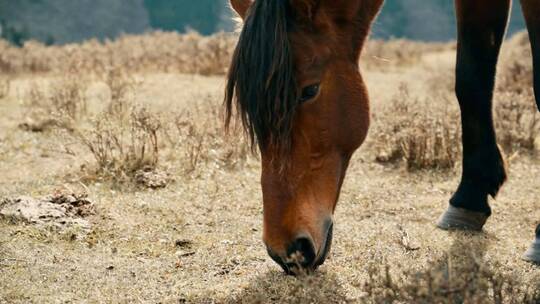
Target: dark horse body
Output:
{"points": [[295, 84]]}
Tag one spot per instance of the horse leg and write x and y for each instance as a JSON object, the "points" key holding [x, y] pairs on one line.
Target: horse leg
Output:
{"points": [[531, 10], [481, 29], [533, 254]]}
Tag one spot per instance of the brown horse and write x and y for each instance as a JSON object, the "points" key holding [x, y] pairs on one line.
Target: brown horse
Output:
{"points": [[295, 84]]}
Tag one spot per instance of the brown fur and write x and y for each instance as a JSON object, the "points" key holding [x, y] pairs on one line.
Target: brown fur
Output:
{"points": [[325, 42]]}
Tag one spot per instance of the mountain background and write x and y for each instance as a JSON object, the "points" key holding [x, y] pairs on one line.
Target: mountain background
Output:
{"points": [[66, 21]]}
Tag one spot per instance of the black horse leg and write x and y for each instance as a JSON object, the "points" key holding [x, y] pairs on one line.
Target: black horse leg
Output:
{"points": [[531, 10], [481, 29], [533, 254]]}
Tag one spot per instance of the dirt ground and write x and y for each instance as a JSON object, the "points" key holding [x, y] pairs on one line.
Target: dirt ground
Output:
{"points": [[199, 239]]}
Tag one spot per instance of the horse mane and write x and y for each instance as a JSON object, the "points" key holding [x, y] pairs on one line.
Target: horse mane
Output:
{"points": [[261, 87]]}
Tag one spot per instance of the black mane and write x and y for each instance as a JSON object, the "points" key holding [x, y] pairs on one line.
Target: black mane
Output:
{"points": [[261, 87]]}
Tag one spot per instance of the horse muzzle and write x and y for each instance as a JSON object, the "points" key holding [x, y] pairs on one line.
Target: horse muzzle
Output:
{"points": [[302, 257]]}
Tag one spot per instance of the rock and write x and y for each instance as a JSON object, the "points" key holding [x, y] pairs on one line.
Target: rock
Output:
{"points": [[58, 210], [44, 125], [152, 178], [183, 243], [38, 126]]}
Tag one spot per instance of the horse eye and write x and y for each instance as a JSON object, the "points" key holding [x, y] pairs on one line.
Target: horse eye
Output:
{"points": [[309, 92]]}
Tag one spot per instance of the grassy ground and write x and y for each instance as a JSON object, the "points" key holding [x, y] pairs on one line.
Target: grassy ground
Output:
{"points": [[199, 239]]}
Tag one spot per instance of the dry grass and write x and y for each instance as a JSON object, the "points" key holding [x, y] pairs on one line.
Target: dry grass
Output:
{"points": [[4, 87], [121, 145], [68, 98], [413, 131], [122, 138], [515, 70], [173, 52], [155, 52], [517, 118], [425, 132], [517, 121], [61, 104], [127, 139], [198, 135], [451, 280], [197, 240], [381, 55], [121, 86]]}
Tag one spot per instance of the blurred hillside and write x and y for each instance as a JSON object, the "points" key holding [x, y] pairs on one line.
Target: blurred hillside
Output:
{"points": [[204, 16], [431, 20], [63, 21]]}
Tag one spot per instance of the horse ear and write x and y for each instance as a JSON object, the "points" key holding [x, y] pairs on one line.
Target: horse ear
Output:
{"points": [[370, 9], [241, 7]]}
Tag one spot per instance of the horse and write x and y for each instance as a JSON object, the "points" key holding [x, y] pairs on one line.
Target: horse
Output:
{"points": [[294, 84]]}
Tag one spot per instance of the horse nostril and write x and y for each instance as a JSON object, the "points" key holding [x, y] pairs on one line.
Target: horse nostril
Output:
{"points": [[301, 253]]}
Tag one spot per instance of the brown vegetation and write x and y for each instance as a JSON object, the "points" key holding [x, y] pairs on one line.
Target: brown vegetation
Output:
{"points": [[422, 137], [381, 55], [413, 131], [517, 118], [453, 279], [426, 133], [127, 139], [157, 52], [171, 52], [4, 87]]}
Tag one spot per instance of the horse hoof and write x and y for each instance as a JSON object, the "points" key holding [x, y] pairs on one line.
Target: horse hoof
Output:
{"points": [[533, 254], [462, 219]]}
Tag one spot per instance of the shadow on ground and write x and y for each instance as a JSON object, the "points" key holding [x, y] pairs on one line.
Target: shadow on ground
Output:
{"points": [[276, 287], [461, 275]]}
